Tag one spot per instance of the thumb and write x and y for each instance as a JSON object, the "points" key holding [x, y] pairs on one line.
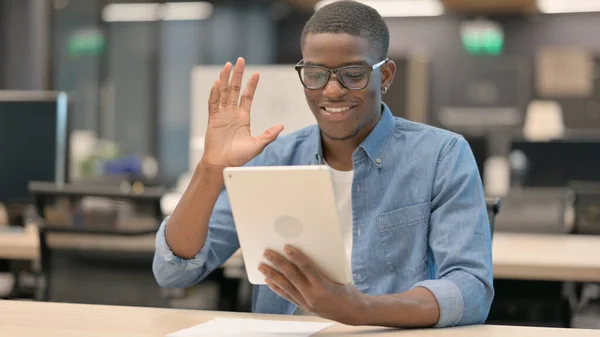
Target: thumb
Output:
{"points": [[268, 137]]}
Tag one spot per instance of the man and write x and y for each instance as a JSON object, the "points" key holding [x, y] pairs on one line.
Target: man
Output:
{"points": [[409, 195]]}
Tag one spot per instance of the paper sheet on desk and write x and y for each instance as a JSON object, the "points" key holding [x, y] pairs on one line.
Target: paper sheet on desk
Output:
{"points": [[251, 328]]}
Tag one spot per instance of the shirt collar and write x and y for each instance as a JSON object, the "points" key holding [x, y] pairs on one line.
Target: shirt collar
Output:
{"points": [[374, 145]]}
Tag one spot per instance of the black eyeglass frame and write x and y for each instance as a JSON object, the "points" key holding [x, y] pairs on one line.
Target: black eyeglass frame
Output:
{"points": [[299, 66]]}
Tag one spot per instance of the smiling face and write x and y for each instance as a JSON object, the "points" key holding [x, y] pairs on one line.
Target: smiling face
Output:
{"points": [[345, 114]]}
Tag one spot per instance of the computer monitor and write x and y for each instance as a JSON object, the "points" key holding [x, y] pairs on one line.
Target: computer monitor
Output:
{"points": [[558, 163], [479, 147], [483, 93], [33, 142]]}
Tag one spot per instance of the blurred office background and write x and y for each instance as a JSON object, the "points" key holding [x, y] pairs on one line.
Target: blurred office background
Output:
{"points": [[520, 79]]}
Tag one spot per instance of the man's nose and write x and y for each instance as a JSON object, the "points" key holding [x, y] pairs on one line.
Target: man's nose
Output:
{"points": [[333, 88]]}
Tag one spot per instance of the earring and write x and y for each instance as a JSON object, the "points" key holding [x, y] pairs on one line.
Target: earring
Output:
{"points": [[384, 90]]}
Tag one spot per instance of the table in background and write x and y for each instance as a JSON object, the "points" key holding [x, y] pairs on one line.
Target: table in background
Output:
{"points": [[20, 243], [546, 257], [516, 256], [540, 278]]}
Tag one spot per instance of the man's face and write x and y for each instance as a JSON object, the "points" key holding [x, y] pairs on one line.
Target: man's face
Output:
{"points": [[341, 113]]}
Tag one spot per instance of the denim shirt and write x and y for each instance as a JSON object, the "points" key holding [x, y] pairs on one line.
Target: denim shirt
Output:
{"points": [[419, 220]]}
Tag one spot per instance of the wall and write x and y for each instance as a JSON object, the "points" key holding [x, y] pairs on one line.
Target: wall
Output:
{"points": [[80, 75], [439, 38], [230, 32]]}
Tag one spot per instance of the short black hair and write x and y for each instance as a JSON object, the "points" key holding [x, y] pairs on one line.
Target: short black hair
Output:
{"points": [[352, 18]]}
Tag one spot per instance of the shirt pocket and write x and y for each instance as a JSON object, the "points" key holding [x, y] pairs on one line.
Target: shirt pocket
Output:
{"points": [[404, 239]]}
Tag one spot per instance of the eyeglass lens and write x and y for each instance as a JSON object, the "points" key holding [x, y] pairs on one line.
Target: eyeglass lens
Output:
{"points": [[352, 78]]}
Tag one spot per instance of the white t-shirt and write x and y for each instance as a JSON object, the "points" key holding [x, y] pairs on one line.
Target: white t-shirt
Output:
{"points": [[342, 186]]}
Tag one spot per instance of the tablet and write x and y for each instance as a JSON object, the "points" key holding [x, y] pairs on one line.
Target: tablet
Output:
{"points": [[278, 205]]}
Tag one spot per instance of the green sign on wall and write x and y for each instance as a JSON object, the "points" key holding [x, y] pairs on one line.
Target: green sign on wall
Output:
{"points": [[86, 42], [481, 37]]}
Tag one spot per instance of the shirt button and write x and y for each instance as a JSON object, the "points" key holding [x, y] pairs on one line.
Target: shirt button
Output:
{"points": [[378, 161]]}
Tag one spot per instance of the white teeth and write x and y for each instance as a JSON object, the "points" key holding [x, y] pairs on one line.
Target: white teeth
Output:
{"points": [[337, 109]]}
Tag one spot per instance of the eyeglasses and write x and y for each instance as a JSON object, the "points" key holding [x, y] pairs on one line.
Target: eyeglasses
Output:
{"points": [[350, 77]]}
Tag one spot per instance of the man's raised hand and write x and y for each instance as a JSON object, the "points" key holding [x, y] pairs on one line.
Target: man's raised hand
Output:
{"points": [[229, 141]]}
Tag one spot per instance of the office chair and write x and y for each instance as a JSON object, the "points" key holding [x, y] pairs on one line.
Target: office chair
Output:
{"points": [[45, 192], [493, 208]]}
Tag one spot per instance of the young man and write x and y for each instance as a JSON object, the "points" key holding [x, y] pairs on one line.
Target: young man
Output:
{"points": [[409, 195]]}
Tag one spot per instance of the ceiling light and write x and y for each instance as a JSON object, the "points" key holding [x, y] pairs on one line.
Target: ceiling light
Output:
{"points": [[130, 12], [181, 11], [170, 11], [568, 6], [399, 8]]}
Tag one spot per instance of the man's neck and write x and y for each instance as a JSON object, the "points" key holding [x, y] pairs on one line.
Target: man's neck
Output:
{"points": [[338, 153]]}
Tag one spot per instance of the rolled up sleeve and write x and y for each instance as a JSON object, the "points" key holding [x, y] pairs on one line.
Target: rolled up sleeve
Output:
{"points": [[172, 271], [460, 240], [449, 298]]}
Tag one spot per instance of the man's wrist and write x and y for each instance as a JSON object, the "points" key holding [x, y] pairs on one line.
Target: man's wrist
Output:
{"points": [[371, 310], [416, 308], [207, 175], [206, 169], [363, 309]]}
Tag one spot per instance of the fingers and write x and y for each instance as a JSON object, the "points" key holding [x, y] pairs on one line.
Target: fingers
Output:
{"points": [[224, 84], [236, 81], [213, 99], [268, 137], [230, 91], [284, 287], [248, 95], [285, 295], [303, 263], [287, 269]]}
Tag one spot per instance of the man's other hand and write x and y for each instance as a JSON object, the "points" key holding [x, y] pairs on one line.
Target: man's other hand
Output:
{"points": [[298, 280]]}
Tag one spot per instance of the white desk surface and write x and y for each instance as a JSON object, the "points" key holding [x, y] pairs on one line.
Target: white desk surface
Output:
{"points": [[546, 257], [33, 319]]}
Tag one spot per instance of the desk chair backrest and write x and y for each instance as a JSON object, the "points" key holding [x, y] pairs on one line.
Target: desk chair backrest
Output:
{"points": [[493, 207]]}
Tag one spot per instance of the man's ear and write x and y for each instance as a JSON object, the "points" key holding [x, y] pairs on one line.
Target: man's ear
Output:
{"points": [[388, 72]]}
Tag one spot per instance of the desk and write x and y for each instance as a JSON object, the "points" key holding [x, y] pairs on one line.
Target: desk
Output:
{"points": [[136, 244], [20, 245], [26, 245], [550, 257], [32, 319]]}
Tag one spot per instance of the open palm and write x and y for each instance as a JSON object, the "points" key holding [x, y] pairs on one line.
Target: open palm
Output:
{"points": [[229, 141]]}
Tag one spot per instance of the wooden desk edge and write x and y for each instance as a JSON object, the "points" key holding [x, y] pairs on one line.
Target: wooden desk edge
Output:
{"points": [[66, 319], [546, 273]]}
